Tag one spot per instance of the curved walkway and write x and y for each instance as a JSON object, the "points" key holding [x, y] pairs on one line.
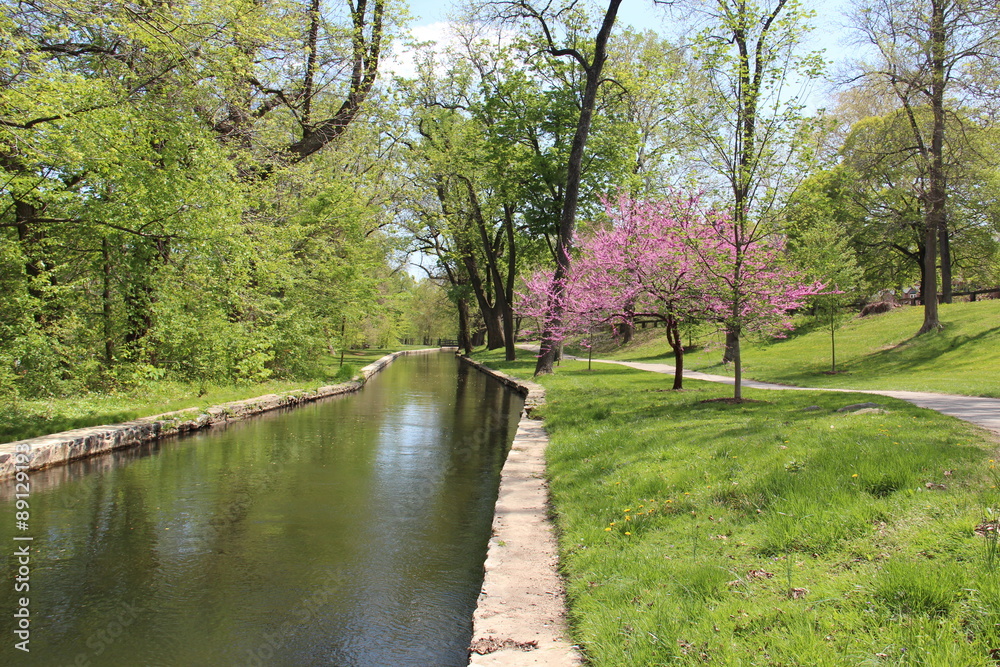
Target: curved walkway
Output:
{"points": [[984, 412]]}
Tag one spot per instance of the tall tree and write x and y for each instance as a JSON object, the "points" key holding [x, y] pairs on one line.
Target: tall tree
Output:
{"points": [[590, 58], [746, 119], [921, 51]]}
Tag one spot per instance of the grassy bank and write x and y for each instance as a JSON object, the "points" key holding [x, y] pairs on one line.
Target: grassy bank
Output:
{"points": [[876, 352], [28, 419], [777, 532]]}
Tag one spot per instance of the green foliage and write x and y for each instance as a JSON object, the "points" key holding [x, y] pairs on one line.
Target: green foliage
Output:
{"points": [[429, 312], [148, 232], [140, 390]]}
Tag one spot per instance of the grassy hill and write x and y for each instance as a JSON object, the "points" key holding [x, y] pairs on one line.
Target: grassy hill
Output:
{"points": [[875, 352]]}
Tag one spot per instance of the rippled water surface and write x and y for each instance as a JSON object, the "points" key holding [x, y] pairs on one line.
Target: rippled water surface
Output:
{"points": [[348, 532]]}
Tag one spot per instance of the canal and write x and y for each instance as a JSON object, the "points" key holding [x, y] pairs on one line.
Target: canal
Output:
{"points": [[346, 532]]}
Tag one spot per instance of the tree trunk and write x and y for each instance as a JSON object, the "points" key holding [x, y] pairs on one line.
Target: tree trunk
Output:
{"points": [[491, 316], [574, 170], [626, 330], [738, 374], [510, 335], [833, 341], [464, 337], [106, 305], [944, 251], [936, 195], [677, 345], [729, 353], [30, 239], [502, 305], [139, 297], [494, 330]]}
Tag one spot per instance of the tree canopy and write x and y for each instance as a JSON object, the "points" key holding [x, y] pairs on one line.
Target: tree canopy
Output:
{"points": [[232, 191]]}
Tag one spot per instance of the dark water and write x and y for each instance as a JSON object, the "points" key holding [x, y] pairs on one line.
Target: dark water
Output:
{"points": [[349, 532]]}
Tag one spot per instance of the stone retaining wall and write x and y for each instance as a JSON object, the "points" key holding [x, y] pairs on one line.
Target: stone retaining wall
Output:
{"points": [[59, 448], [534, 393], [520, 617]]}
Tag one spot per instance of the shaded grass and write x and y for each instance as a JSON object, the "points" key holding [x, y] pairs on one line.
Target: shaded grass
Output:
{"points": [[876, 352], [765, 533], [32, 418]]}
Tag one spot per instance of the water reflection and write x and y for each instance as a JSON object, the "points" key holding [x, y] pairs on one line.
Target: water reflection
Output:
{"points": [[345, 533]]}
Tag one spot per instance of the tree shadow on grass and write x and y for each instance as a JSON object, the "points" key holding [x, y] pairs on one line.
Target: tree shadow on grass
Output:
{"points": [[917, 351]]}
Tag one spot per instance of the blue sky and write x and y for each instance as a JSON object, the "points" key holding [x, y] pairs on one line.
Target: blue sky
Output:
{"points": [[829, 34], [643, 13]]}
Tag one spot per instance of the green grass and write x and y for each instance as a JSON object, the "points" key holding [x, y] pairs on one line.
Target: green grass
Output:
{"points": [[28, 419], [876, 352], [767, 533]]}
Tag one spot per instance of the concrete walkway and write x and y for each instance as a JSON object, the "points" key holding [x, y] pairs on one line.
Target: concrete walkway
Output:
{"points": [[984, 412]]}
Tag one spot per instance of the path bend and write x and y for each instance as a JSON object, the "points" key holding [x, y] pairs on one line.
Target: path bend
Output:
{"points": [[984, 412]]}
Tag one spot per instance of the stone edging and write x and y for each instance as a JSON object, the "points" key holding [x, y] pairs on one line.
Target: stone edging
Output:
{"points": [[59, 448], [520, 618]]}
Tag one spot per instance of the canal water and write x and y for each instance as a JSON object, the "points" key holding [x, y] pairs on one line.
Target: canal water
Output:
{"points": [[346, 532]]}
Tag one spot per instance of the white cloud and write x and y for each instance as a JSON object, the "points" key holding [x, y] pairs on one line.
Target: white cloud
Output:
{"points": [[402, 62]]}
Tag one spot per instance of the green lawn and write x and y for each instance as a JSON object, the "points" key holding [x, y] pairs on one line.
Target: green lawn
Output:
{"points": [[876, 352], [767, 533], [28, 419]]}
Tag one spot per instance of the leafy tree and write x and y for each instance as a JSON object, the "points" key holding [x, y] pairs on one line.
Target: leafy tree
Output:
{"points": [[494, 137], [921, 49], [826, 257], [590, 58], [644, 265], [138, 233], [874, 195], [672, 261], [746, 123]]}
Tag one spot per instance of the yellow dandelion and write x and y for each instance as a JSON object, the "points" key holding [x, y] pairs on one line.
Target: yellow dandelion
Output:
{"points": [[627, 533], [607, 530], [854, 475]]}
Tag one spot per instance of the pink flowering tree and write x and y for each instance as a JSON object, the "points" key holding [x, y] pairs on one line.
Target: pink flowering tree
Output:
{"points": [[579, 317], [642, 267], [638, 267], [746, 285], [674, 262]]}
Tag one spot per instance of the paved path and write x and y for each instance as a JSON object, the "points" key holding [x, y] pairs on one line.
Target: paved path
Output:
{"points": [[983, 412]]}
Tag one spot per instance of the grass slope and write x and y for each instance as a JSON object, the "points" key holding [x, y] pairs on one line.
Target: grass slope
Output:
{"points": [[767, 533], [876, 352], [29, 419]]}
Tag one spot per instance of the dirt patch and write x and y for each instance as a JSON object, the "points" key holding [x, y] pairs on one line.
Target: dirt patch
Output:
{"points": [[731, 401], [494, 644]]}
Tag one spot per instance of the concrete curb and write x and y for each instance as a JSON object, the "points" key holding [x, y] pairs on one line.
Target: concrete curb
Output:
{"points": [[520, 618], [59, 448]]}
